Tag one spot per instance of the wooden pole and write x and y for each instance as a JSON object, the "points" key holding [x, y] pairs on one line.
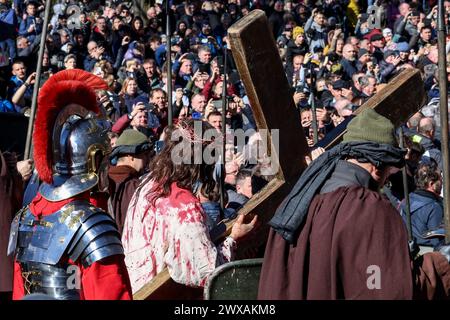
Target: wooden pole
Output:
{"points": [[313, 105], [38, 80], [169, 64], [443, 108], [224, 130], [406, 191]]}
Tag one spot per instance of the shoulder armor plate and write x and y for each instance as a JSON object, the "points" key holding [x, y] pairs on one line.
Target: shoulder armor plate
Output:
{"points": [[96, 239], [47, 239]]}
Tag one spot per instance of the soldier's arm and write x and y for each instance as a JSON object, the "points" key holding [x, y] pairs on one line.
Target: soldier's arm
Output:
{"points": [[106, 279]]}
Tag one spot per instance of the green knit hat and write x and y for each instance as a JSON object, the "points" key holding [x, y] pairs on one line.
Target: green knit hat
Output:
{"points": [[131, 137], [130, 142], [370, 126]]}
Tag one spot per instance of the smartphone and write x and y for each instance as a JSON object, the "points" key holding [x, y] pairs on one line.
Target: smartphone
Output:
{"points": [[306, 131], [217, 105], [203, 68], [158, 146]]}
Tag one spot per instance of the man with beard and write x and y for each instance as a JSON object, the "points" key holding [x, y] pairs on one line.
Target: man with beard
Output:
{"points": [[336, 237], [348, 61]]}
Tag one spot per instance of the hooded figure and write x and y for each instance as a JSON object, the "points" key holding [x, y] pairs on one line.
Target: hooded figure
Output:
{"points": [[336, 237]]}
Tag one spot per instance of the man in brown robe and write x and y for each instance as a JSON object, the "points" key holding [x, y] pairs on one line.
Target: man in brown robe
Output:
{"points": [[336, 237], [130, 156]]}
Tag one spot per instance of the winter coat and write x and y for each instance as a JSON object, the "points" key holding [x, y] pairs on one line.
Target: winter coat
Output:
{"points": [[427, 213]]}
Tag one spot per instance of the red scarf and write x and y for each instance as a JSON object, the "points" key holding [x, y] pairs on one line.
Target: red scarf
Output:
{"points": [[42, 207]]}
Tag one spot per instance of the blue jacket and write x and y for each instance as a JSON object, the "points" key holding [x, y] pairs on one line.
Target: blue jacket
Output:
{"points": [[25, 24], [213, 211], [89, 62], [14, 85], [6, 106], [8, 25], [426, 214]]}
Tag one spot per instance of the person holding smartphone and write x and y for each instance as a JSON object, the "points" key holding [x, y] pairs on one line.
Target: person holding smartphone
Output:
{"points": [[30, 27]]}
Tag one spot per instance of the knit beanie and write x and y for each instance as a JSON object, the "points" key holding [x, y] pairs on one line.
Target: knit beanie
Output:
{"points": [[370, 126], [297, 31], [131, 137], [130, 142]]}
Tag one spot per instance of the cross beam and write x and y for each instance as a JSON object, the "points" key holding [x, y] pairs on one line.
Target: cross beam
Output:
{"points": [[398, 101]]}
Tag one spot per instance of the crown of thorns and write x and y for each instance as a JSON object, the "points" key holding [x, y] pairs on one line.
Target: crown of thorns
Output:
{"points": [[188, 133]]}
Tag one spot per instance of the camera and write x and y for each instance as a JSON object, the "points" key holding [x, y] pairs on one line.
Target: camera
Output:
{"points": [[175, 40], [203, 68], [188, 93], [158, 146], [149, 106], [112, 97], [302, 88]]}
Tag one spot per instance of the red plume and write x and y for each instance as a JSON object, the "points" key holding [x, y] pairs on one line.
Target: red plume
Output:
{"points": [[65, 87]]}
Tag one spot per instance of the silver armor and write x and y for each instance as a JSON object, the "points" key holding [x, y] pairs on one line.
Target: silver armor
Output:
{"points": [[80, 144], [79, 232]]}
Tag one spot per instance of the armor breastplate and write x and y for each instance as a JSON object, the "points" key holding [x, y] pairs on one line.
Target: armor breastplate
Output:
{"points": [[56, 281], [78, 231]]}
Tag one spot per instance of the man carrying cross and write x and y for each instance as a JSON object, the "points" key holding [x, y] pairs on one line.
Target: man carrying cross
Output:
{"points": [[336, 237]]}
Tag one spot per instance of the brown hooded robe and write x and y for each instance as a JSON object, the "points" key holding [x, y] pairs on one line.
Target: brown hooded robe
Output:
{"points": [[353, 245]]}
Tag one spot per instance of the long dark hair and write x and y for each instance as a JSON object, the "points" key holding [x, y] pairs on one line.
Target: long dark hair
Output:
{"points": [[164, 171]]}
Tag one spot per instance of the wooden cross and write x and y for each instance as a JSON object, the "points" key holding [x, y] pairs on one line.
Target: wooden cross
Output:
{"points": [[266, 85]]}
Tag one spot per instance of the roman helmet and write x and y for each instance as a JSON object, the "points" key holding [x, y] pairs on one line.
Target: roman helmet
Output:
{"points": [[71, 144]]}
